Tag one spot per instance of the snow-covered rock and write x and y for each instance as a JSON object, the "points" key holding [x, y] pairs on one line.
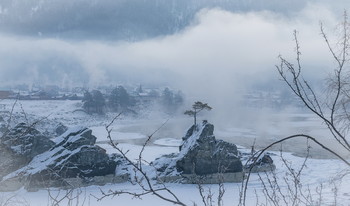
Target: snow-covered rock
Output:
{"points": [[202, 155], [20, 145], [26, 141], [262, 164], [75, 155]]}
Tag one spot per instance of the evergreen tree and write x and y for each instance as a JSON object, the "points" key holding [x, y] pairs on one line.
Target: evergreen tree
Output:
{"points": [[154, 93], [88, 102], [167, 98], [124, 98], [120, 99], [178, 99], [99, 101], [196, 108], [94, 102], [114, 100], [170, 101]]}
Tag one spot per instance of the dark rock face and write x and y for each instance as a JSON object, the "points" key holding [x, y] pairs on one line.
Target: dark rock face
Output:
{"points": [[8, 162], [202, 154], [266, 159], [89, 161], [60, 129], [75, 155], [19, 146], [202, 159], [26, 142], [75, 138], [263, 164]]}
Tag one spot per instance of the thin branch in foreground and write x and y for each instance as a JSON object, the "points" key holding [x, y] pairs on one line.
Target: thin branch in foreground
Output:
{"points": [[245, 183], [144, 182]]}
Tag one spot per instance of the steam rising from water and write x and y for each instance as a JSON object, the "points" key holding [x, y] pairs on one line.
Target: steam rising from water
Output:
{"points": [[215, 59]]}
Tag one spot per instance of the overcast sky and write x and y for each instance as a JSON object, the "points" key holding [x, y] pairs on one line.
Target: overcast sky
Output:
{"points": [[199, 46]]}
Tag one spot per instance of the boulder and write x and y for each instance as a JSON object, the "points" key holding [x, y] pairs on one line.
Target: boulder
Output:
{"points": [[26, 142], [202, 155], [263, 164], [20, 145], [75, 155]]}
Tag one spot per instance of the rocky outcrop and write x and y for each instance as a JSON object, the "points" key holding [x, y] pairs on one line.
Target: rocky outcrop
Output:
{"points": [[74, 155], [202, 155], [19, 146], [263, 164], [26, 141]]}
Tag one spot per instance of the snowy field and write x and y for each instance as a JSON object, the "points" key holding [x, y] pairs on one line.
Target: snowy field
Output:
{"points": [[320, 171]]}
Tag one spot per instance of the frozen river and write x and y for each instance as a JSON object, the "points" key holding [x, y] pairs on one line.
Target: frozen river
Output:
{"points": [[258, 127]]}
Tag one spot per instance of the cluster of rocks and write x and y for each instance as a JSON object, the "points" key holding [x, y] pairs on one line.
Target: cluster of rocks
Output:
{"points": [[35, 161], [32, 160], [202, 158]]}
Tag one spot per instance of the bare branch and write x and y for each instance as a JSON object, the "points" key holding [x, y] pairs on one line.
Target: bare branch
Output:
{"points": [[148, 187], [245, 183]]}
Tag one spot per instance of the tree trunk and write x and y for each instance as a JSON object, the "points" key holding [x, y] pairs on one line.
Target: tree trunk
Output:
{"points": [[195, 117]]}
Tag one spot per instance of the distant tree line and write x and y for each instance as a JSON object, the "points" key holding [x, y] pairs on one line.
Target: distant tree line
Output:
{"points": [[119, 100], [94, 102], [171, 101]]}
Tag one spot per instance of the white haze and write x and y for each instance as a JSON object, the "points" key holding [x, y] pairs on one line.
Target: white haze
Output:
{"points": [[219, 54], [215, 59], [219, 48]]}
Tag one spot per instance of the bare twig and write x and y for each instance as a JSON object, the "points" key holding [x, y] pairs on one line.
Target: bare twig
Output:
{"points": [[144, 181], [245, 183]]}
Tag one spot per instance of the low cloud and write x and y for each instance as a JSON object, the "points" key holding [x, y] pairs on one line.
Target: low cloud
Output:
{"points": [[214, 59], [217, 47]]}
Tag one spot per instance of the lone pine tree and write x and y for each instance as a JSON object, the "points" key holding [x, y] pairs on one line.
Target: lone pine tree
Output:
{"points": [[196, 108]]}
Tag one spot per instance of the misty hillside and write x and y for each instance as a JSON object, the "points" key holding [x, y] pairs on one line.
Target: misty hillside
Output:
{"points": [[157, 42], [119, 19]]}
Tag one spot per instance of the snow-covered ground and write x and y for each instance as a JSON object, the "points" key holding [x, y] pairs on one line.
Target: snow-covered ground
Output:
{"points": [[131, 133], [318, 172]]}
